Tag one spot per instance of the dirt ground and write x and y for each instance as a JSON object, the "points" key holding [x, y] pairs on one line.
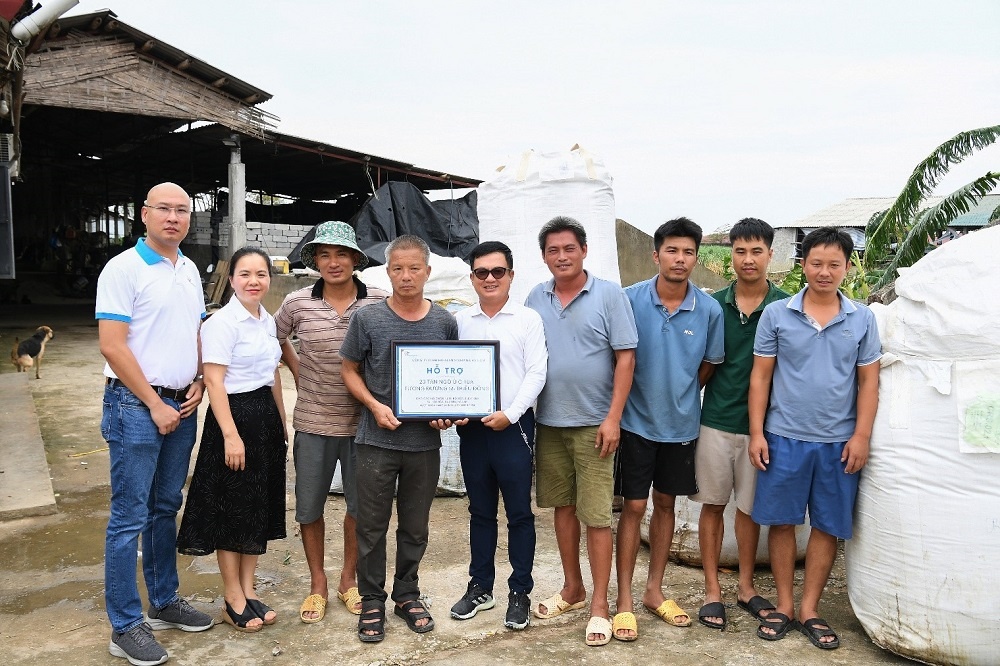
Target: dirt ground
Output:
{"points": [[51, 569]]}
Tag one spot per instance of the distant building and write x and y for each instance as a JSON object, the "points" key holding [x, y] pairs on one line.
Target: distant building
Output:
{"points": [[852, 216]]}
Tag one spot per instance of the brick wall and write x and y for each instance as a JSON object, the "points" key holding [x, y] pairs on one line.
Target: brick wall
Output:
{"points": [[275, 239]]}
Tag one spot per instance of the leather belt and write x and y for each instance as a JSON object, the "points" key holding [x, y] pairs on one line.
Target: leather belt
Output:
{"points": [[178, 395]]}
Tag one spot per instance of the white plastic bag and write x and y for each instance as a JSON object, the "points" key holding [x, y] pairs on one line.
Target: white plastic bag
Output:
{"points": [[922, 571], [535, 187]]}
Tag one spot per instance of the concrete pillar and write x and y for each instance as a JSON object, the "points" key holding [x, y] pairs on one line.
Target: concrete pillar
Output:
{"points": [[237, 197]]}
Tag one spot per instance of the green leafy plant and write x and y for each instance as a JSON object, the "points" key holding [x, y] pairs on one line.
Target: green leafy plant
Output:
{"points": [[794, 281], [898, 236]]}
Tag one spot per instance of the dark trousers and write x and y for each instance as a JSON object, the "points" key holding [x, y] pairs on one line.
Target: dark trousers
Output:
{"points": [[378, 473], [500, 461]]}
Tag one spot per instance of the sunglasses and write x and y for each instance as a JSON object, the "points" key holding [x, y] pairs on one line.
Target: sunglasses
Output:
{"points": [[497, 273]]}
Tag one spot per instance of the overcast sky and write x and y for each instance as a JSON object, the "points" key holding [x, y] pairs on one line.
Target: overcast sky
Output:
{"points": [[712, 109]]}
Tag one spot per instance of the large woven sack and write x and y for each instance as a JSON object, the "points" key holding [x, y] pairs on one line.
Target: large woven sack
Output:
{"points": [[535, 187], [922, 571]]}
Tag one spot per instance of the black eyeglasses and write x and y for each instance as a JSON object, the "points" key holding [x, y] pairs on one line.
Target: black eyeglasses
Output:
{"points": [[497, 273]]}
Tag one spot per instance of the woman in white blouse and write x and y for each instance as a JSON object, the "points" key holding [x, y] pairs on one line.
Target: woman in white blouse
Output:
{"points": [[236, 502]]}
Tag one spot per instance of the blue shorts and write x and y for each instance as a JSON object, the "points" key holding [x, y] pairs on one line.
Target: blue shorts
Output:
{"points": [[806, 474]]}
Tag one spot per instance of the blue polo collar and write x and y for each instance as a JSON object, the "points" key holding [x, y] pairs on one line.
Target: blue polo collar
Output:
{"points": [[550, 286], [149, 255], [688, 303], [846, 305]]}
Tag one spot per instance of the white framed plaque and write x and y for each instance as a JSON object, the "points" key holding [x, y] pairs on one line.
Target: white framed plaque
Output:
{"points": [[445, 379]]}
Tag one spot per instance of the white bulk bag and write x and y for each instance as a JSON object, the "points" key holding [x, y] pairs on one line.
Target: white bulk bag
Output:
{"points": [[535, 187], [922, 572]]}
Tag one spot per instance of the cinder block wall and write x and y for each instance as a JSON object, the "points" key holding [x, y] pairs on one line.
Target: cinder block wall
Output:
{"points": [[275, 239]]}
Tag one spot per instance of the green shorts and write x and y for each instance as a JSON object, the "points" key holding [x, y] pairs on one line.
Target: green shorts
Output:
{"points": [[569, 472]]}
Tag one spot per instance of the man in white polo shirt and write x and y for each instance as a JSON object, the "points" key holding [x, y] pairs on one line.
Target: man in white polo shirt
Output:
{"points": [[149, 309]]}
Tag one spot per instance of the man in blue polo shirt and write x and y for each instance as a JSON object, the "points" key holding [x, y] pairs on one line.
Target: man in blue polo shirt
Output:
{"points": [[149, 310], [813, 397], [681, 336], [590, 333]]}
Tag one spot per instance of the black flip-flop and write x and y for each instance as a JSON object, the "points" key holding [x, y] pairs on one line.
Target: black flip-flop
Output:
{"points": [[756, 605], [239, 620], [372, 618], [261, 609], [777, 622], [411, 618], [811, 628], [713, 609]]}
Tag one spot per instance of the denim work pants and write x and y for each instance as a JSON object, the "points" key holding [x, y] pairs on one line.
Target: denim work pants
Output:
{"points": [[377, 473], [500, 461], [148, 471]]}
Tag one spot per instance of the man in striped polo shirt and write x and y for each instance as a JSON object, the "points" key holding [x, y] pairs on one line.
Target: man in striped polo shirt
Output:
{"points": [[326, 414]]}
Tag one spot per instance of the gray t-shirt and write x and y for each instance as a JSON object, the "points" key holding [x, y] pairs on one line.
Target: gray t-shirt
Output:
{"points": [[369, 340]]}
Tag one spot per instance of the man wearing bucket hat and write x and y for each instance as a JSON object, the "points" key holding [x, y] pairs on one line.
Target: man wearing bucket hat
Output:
{"points": [[326, 415]]}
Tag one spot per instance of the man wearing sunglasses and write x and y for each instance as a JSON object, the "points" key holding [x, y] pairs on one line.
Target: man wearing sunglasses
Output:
{"points": [[497, 451]]}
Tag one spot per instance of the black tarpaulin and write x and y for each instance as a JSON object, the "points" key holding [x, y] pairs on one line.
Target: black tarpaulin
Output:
{"points": [[449, 227]]}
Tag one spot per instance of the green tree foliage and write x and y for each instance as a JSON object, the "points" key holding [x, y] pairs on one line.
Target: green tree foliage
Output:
{"points": [[897, 237]]}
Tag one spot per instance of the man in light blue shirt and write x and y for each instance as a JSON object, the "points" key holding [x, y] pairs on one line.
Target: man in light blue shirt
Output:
{"points": [[812, 403], [591, 339], [681, 336]]}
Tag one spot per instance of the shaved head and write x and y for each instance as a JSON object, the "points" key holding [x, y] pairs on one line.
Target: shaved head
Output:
{"points": [[171, 190]]}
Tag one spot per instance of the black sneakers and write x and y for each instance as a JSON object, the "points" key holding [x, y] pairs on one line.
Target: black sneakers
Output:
{"points": [[475, 600], [138, 646], [517, 611]]}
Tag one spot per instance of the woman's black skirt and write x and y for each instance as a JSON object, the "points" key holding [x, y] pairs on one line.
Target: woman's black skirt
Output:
{"points": [[238, 511]]}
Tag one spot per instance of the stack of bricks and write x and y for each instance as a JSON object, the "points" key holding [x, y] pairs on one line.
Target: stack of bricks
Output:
{"points": [[275, 239], [201, 228]]}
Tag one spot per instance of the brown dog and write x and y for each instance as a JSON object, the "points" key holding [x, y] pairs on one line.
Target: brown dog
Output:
{"points": [[30, 352]]}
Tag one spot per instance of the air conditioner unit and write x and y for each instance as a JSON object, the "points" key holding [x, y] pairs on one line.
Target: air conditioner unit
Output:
{"points": [[6, 147], [7, 154]]}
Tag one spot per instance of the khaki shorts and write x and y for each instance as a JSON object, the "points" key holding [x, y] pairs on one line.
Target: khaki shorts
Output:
{"points": [[722, 465], [569, 472]]}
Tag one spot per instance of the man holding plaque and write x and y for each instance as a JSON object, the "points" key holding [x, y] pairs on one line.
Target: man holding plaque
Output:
{"points": [[592, 338], [389, 451], [496, 452]]}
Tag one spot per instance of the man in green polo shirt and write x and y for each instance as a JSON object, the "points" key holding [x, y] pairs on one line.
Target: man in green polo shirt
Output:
{"points": [[722, 465]]}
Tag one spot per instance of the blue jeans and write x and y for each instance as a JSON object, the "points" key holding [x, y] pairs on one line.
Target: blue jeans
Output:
{"points": [[500, 462], [148, 471]]}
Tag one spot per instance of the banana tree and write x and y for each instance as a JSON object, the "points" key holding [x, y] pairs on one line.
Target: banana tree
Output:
{"points": [[897, 237]]}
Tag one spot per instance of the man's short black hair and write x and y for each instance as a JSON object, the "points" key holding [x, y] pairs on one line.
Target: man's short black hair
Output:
{"points": [[828, 236], [680, 227], [562, 223], [489, 247], [749, 229]]}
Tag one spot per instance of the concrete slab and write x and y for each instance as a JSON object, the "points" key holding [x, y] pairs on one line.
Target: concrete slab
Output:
{"points": [[25, 486]]}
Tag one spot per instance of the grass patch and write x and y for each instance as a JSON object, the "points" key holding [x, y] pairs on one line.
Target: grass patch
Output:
{"points": [[717, 259]]}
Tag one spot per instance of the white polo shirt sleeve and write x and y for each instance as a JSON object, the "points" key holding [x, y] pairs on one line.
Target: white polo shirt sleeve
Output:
{"points": [[115, 294]]}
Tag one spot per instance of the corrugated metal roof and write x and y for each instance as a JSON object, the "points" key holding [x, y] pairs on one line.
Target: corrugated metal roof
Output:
{"points": [[979, 215], [847, 213]]}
